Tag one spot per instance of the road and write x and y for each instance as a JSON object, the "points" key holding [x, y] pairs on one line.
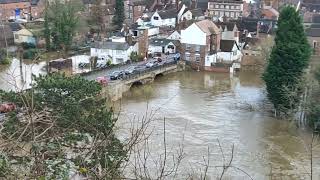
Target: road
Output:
{"points": [[107, 72]]}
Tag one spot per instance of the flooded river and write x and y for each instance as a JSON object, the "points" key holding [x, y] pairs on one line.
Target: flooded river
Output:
{"points": [[203, 109]]}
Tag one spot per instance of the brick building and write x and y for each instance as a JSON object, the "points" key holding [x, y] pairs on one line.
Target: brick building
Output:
{"points": [[8, 7], [232, 9], [136, 10], [200, 42]]}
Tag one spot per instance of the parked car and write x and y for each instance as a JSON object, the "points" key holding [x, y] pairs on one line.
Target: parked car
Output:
{"points": [[138, 69], [7, 107], [129, 70], [149, 64], [83, 65], [176, 57], [101, 64], [157, 59], [117, 75], [102, 80]]}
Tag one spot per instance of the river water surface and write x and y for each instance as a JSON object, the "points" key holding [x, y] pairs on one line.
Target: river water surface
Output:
{"points": [[203, 109]]}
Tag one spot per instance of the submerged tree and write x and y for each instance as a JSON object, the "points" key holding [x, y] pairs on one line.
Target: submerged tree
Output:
{"points": [[289, 57], [118, 17]]}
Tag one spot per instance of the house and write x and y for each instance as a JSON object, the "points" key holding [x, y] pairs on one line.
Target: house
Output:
{"points": [[24, 36], [313, 35], [158, 46], [229, 51], [232, 9], [200, 42], [229, 31], [164, 18], [269, 12], [15, 9], [175, 36], [137, 31], [116, 52], [136, 10]]}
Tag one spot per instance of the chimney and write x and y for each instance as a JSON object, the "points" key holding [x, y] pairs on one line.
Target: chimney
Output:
{"points": [[258, 29]]}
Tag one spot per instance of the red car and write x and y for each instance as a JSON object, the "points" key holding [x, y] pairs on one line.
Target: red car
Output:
{"points": [[102, 80], [7, 107]]}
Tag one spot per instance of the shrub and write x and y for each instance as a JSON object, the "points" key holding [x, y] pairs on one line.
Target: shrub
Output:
{"points": [[29, 54], [27, 45]]}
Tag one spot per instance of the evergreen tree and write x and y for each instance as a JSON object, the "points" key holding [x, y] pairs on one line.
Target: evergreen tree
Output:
{"points": [[289, 57], [118, 17]]}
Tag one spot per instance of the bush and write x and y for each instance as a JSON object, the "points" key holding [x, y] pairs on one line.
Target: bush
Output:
{"points": [[27, 45], [134, 57], [30, 54], [5, 61]]}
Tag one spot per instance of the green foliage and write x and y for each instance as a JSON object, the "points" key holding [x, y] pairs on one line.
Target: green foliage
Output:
{"points": [[27, 45], [62, 20], [4, 166], [82, 128], [289, 57], [118, 17], [4, 60], [30, 53]]}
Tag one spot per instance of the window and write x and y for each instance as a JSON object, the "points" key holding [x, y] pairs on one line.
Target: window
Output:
{"points": [[197, 48], [211, 6], [16, 36], [118, 52], [314, 44], [197, 58], [156, 18], [187, 56], [119, 60], [227, 14], [234, 53], [232, 14], [216, 13], [227, 6], [237, 7], [139, 8], [231, 7], [188, 47], [221, 6], [217, 6]]}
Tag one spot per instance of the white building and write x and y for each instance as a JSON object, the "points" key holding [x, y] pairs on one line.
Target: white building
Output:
{"points": [[116, 52], [230, 51], [24, 36], [164, 18], [162, 46], [175, 36]]}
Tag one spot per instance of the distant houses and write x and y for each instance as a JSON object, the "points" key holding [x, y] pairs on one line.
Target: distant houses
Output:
{"points": [[115, 52]]}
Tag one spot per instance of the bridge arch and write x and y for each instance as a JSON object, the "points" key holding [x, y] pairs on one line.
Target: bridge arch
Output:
{"points": [[136, 84], [158, 75]]}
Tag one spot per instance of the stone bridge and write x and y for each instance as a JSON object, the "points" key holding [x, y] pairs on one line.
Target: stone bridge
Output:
{"points": [[114, 90]]}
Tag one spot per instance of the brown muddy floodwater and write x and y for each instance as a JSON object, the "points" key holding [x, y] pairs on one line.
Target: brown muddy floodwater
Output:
{"points": [[204, 108]]}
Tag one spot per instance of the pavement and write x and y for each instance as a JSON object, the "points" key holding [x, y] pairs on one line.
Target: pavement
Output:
{"points": [[107, 72]]}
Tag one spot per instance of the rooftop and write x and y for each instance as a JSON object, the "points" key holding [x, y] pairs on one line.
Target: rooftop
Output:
{"points": [[160, 42], [208, 27], [112, 45], [167, 14], [313, 32]]}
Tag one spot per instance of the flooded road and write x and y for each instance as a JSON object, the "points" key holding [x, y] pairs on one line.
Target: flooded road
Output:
{"points": [[203, 109], [12, 77]]}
